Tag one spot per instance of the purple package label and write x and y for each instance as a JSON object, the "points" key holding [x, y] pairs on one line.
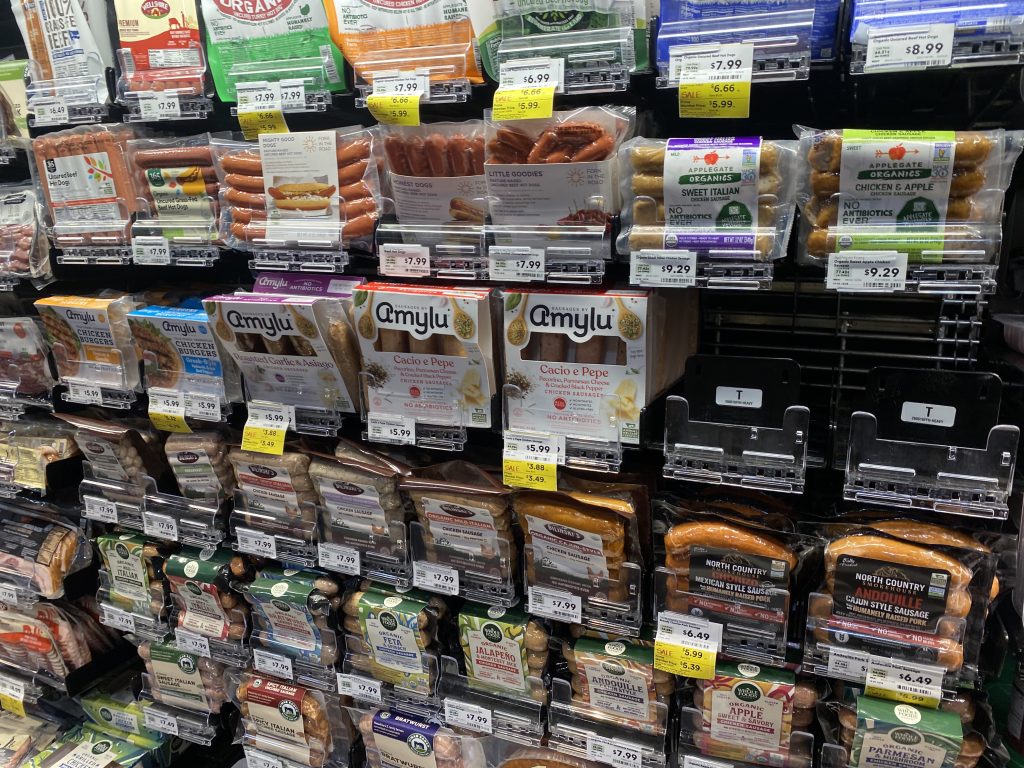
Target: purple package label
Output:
{"points": [[713, 142], [306, 285], [395, 725]]}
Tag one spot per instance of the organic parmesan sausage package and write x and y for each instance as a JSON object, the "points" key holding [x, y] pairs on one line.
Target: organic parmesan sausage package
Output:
{"points": [[723, 197], [556, 171], [428, 352], [936, 196], [586, 363]]}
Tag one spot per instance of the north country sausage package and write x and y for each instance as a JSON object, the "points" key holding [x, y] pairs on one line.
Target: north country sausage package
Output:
{"points": [[293, 350], [239, 32], [587, 363], [428, 352], [731, 194], [935, 195]]}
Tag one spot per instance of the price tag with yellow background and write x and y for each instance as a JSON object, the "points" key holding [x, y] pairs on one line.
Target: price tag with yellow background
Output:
{"points": [[714, 80], [259, 109], [687, 646], [527, 87], [531, 460], [266, 427], [396, 97]]}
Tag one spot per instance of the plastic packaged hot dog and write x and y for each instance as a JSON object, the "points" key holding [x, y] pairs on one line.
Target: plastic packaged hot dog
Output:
{"points": [[24, 247], [160, 51]]}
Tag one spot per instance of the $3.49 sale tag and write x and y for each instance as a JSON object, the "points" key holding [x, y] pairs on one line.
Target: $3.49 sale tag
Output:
{"points": [[266, 427], [714, 80], [531, 461]]}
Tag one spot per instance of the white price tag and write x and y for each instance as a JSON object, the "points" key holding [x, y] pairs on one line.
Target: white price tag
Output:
{"points": [[258, 97], [264, 415], [202, 407], [614, 752], [693, 761], [848, 665], [386, 428], [166, 401], [516, 263], [50, 112], [160, 721], [255, 759], [435, 578], [401, 260], [8, 594], [556, 604], [867, 271], [87, 394], [919, 684], [100, 510], [676, 269], [691, 631], [714, 63], [160, 526], [361, 688], [151, 250], [894, 48], [540, 71], [124, 721], [539, 448], [250, 542], [272, 664], [402, 84], [462, 714], [12, 688], [335, 557], [118, 619], [190, 642], [159, 106], [293, 95]]}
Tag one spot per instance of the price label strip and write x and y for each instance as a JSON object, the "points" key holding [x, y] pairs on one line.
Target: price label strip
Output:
{"points": [[250, 542], [87, 394], [435, 578], [537, 72], [867, 272], [516, 263], [266, 427], [272, 664], [335, 557], [894, 49], [100, 510], [387, 428], [396, 98], [556, 604], [687, 646], [714, 81], [202, 407], [160, 721], [260, 109], [531, 461], [12, 696], [190, 642], [160, 526], [675, 269], [118, 619], [167, 411], [462, 714], [523, 103], [618, 753], [361, 688], [918, 684], [50, 112], [255, 759], [151, 250], [159, 106], [400, 260]]}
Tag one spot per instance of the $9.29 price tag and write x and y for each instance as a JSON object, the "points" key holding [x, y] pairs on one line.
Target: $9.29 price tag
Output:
{"points": [[714, 80], [867, 271], [677, 269], [687, 645]]}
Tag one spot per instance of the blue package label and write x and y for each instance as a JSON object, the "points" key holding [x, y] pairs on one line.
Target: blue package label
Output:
{"points": [[971, 18], [824, 30], [176, 342]]}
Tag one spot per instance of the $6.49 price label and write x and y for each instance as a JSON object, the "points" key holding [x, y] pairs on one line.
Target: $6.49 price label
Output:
{"points": [[687, 645]]}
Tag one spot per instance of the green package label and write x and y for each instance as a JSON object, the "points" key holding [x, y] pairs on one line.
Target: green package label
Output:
{"points": [[892, 735]]}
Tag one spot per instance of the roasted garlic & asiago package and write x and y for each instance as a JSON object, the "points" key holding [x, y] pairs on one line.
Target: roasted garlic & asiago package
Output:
{"points": [[428, 352], [586, 363], [294, 350]]}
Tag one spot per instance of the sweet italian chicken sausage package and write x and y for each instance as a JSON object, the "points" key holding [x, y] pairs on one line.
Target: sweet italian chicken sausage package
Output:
{"points": [[586, 363], [717, 196], [556, 171], [935, 195]]}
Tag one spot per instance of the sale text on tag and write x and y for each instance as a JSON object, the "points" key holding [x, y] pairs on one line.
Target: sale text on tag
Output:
{"points": [[714, 80], [531, 461], [260, 109], [266, 427], [167, 410], [523, 103], [687, 645]]}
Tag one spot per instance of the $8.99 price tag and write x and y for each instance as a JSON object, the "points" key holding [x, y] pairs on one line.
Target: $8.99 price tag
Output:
{"points": [[714, 80], [894, 48], [687, 645]]}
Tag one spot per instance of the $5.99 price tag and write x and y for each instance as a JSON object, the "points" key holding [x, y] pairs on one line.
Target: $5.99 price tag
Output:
{"points": [[714, 80], [918, 684], [386, 428], [266, 427], [687, 645], [260, 109], [677, 269], [167, 410], [531, 461], [523, 103], [396, 98]]}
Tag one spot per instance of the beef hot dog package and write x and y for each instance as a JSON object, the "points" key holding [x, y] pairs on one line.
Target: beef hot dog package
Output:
{"points": [[66, 40], [24, 248], [936, 196], [160, 49], [723, 194], [176, 183], [556, 171], [436, 172]]}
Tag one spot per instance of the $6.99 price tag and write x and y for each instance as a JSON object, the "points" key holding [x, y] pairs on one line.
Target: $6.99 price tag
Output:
{"points": [[919, 684]]}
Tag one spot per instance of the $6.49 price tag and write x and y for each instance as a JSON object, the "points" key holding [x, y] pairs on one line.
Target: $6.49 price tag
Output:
{"points": [[919, 684], [687, 645]]}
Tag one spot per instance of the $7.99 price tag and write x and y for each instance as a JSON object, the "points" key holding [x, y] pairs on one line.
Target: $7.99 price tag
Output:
{"points": [[396, 98], [687, 645], [714, 80], [462, 714], [615, 752]]}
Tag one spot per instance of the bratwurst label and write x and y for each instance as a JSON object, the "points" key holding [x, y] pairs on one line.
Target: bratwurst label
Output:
{"points": [[889, 593]]}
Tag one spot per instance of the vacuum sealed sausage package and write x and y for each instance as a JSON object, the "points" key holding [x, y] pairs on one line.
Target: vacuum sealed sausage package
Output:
{"points": [[505, 652], [934, 196], [37, 552], [390, 736], [133, 581], [725, 198], [24, 360], [24, 248], [183, 680]]}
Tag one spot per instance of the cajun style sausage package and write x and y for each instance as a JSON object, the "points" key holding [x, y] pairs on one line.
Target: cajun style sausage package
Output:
{"points": [[556, 171], [586, 363], [935, 195], [436, 172], [720, 196], [428, 352], [285, 36], [160, 47], [24, 248]]}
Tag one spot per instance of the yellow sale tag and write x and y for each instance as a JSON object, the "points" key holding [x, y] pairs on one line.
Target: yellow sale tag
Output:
{"points": [[394, 108], [169, 422], [520, 473], [522, 103], [263, 439], [714, 99], [261, 121], [12, 704], [906, 681], [684, 660]]}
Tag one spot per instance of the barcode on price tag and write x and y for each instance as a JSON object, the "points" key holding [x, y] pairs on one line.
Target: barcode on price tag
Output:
{"points": [[401, 260], [555, 604], [160, 721], [906, 681], [714, 79], [87, 394], [534, 447], [267, 426], [891, 49], [386, 428], [256, 759], [361, 688], [293, 95], [12, 695], [258, 97], [462, 714], [867, 271], [151, 250], [167, 410], [190, 642], [118, 619], [677, 269], [516, 263], [124, 721], [848, 665], [335, 557], [98, 509], [160, 526], [615, 752], [537, 71], [250, 542], [272, 664], [435, 578], [159, 106], [402, 84], [202, 407]]}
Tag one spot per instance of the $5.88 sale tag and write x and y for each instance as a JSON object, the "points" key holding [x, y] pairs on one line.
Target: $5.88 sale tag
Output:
{"points": [[714, 80], [266, 427]]}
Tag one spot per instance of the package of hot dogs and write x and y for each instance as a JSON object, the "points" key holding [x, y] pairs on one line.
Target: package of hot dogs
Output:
{"points": [[24, 249], [174, 179]]}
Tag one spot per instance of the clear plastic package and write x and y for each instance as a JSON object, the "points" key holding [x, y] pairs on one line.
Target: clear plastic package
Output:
{"points": [[24, 248], [37, 553], [201, 467], [36, 456], [387, 732], [183, 680], [132, 581], [25, 375]]}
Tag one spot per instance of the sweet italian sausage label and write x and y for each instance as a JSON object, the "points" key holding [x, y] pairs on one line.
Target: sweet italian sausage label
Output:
{"points": [[176, 678], [712, 183], [429, 200], [737, 576], [560, 548], [560, 193], [895, 177], [493, 656], [275, 709], [894, 594], [353, 506], [82, 188], [403, 742]]}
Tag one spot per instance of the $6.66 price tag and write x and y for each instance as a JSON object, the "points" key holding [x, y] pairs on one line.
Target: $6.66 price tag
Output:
{"points": [[687, 645]]}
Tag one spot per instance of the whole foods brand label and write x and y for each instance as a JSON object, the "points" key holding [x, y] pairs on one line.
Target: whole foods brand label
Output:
{"points": [[895, 177], [749, 714], [619, 677], [180, 193], [894, 594], [892, 735], [91, 754], [390, 625], [193, 582], [282, 604], [353, 506], [403, 742], [579, 363], [127, 568], [493, 657], [568, 550], [82, 188], [275, 709], [177, 679], [738, 576], [712, 183]]}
